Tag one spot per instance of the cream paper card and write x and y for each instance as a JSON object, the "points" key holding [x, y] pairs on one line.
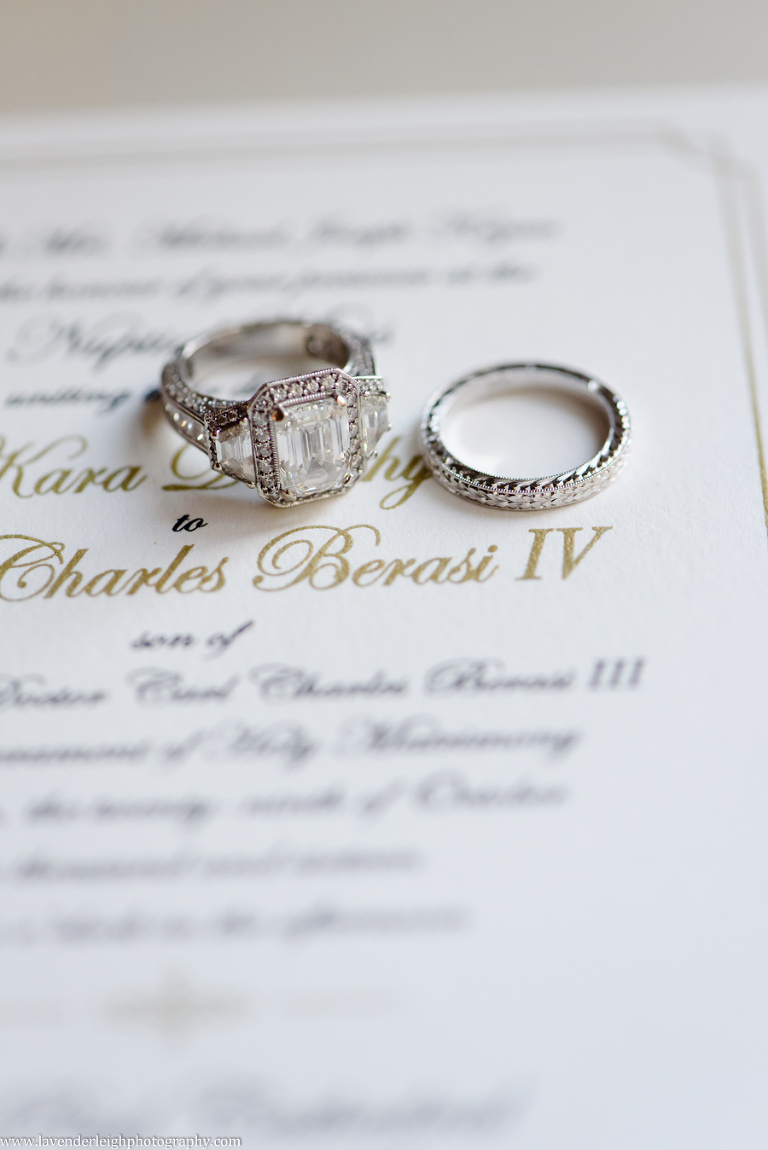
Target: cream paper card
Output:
{"points": [[389, 820]]}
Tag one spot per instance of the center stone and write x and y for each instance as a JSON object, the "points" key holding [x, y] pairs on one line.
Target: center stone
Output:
{"points": [[312, 443]]}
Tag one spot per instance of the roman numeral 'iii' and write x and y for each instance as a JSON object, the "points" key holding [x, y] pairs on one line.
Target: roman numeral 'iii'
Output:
{"points": [[570, 559]]}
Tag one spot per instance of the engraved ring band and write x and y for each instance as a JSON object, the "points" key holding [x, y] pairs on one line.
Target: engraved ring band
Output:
{"points": [[525, 494], [304, 410]]}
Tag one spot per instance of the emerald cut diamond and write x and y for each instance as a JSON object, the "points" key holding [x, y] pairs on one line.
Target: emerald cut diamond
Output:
{"points": [[312, 446]]}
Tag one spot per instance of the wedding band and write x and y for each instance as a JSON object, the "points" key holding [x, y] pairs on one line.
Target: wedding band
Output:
{"points": [[518, 494], [295, 438]]}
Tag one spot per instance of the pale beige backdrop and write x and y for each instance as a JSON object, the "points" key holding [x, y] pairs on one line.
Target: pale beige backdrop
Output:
{"points": [[67, 54]]}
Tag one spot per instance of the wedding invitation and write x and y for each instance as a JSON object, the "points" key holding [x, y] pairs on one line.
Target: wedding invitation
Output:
{"points": [[390, 819]]}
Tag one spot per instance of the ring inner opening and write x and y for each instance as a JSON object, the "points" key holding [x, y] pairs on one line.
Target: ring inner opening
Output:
{"points": [[234, 365], [526, 432]]}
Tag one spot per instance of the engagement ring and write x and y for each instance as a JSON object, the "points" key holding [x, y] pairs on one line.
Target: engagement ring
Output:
{"points": [[303, 409]]}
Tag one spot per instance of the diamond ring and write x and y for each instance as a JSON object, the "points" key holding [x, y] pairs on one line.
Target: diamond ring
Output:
{"points": [[525, 494], [310, 411]]}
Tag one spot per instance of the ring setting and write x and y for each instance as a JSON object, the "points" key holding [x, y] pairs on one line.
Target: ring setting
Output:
{"points": [[295, 439], [525, 494]]}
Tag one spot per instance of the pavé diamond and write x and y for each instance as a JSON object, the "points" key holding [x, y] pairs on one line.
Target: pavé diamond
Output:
{"points": [[312, 442], [373, 409]]}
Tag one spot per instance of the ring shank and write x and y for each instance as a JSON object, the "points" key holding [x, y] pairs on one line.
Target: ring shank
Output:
{"points": [[239, 345], [501, 381]]}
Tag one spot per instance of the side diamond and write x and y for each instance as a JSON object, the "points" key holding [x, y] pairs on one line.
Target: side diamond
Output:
{"points": [[373, 410], [233, 451]]}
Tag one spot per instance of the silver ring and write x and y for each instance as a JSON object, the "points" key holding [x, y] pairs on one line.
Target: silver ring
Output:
{"points": [[529, 494], [295, 438]]}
